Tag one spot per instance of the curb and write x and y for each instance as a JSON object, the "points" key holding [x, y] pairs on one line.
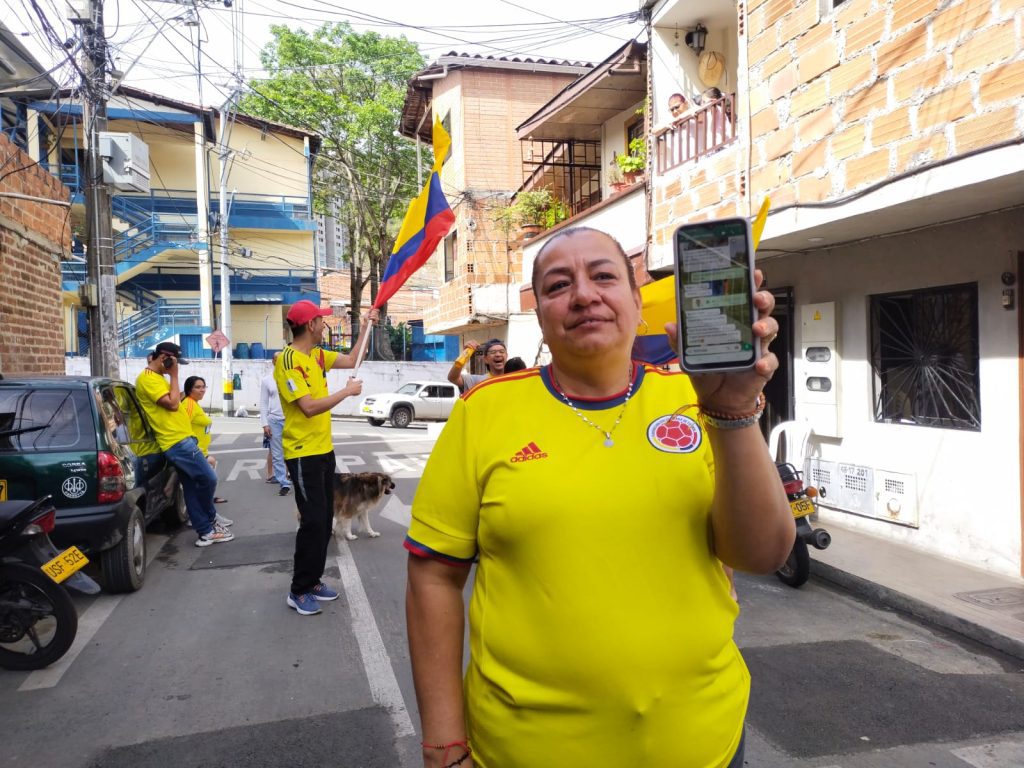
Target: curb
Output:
{"points": [[885, 597]]}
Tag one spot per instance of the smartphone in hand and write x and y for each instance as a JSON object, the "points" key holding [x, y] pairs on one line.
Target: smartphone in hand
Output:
{"points": [[714, 266]]}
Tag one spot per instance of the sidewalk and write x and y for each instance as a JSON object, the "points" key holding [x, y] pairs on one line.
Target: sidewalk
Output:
{"points": [[985, 607]]}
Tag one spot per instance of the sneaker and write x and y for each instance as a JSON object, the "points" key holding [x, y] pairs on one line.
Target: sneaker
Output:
{"points": [[224, 522], [271, 480], [285, 490], [217, 536], [305, 604], [323, 593]]}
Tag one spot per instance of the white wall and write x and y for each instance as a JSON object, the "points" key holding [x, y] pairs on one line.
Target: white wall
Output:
{"points": [[625, 220], [953, 468], [377, 377]]}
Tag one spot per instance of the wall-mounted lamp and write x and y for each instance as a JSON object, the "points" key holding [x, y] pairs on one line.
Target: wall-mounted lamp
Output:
{"points": [[696, 38], [1009, 280]]}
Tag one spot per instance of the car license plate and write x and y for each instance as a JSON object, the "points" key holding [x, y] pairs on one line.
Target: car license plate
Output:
{"points": [[367, 409], [801, 507], [65, 564], [3, 490]]}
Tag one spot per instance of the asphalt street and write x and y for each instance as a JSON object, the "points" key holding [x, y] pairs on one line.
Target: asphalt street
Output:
{"points": [[206, 666]]}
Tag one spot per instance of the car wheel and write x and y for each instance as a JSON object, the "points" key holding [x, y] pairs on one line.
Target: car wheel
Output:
{"points": [[124, 564], [400, 417], [376, 422], [176, 513]]}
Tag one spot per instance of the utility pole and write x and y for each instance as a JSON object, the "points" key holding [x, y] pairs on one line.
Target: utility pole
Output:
{"points": [[224, 210], [101, 285]]}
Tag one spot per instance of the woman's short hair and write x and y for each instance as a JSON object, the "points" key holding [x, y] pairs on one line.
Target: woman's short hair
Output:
{"points": [[190, 383], [631, 276]]}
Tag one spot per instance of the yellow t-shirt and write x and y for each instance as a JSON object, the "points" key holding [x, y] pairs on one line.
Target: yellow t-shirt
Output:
{"points": [[200, 423], [298, 375], [600, 621], [170, 427]]}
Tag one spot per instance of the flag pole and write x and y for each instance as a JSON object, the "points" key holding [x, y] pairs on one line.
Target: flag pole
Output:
{"points": [[363, 343]]}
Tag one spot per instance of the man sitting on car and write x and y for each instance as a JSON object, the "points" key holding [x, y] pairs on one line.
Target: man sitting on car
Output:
{"points": [[160, 400]]}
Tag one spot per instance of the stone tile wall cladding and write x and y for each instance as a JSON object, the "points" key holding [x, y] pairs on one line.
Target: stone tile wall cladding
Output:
{"points": [[875, 88], [842, 99], [33, 238]]}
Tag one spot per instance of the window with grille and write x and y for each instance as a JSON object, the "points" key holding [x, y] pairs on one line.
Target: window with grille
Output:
{"points": [[924, 356]]}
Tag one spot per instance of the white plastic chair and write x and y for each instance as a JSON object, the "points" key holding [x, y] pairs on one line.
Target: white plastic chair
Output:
{"points": [[797, 439]]}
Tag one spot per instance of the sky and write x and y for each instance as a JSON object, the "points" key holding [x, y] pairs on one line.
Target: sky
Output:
{"points": [[152, 41]]}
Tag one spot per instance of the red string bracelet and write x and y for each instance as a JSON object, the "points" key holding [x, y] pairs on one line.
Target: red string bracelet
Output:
{"points": [[447, 747]]}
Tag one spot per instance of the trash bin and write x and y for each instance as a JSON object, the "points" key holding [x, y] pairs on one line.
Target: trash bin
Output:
{"points": [[242, 351], [256, 351]]}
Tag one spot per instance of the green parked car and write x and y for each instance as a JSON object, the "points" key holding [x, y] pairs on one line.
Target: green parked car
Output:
{"points": [[86, 443]]}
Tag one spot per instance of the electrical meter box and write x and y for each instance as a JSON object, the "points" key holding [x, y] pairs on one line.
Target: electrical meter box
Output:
{"points": [[817, 383], [125, 161]]}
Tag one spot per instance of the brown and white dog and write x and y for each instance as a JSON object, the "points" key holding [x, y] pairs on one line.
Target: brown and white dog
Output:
{"points": [[355, 494]]}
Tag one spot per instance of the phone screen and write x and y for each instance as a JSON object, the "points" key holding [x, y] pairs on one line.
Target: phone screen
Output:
{"points": [[714, 294]]}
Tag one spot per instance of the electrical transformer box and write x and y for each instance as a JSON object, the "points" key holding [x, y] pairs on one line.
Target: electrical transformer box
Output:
{"points": [[125, 161]]}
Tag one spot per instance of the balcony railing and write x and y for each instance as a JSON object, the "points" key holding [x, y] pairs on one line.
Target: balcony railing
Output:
{"points": [[699, 133], [167, 314]]}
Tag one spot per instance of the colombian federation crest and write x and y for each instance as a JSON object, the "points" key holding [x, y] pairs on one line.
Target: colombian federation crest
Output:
{"points": [[675, 433]]}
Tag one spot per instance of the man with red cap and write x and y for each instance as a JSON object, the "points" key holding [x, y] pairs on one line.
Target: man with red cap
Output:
{"points": [[301, 376]]}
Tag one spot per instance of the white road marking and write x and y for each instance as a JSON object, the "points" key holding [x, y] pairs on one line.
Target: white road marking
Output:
{"points": [[397, 512], [251, 467], [344, 462], [379, 672], [89, 624], [388, 462], [346, 443], [992, 755]]}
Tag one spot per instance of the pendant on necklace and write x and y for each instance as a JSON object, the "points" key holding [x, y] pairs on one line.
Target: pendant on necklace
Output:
{"points": [[608, 442]]}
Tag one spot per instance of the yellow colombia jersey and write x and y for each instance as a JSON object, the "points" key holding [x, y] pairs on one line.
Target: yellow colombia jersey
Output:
{"points": [[297, 375], [600, 622], [200, 422], [171, 427]]}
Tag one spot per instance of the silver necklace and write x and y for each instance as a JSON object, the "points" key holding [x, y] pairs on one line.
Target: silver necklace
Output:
{"points": [[608, 442]]}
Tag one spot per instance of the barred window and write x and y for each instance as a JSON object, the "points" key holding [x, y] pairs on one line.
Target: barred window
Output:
{"points": [[924, 356]]}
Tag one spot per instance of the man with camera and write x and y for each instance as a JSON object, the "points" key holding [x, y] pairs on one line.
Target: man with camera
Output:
{"points": [[161, 400]]}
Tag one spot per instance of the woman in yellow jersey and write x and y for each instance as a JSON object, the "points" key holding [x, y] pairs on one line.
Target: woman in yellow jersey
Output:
{"points": [[598, 496], [195, 391]]}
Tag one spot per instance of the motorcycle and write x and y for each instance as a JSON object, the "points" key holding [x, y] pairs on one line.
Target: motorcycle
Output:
{"points": [[797, 567], [38, 621]]}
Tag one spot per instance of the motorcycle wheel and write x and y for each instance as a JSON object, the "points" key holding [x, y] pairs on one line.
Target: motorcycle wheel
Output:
{"points": [[797, 567], [38, 621]]}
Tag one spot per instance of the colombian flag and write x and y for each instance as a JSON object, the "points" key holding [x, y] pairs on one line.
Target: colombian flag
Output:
{"points": [[659, 307], [425, 224]]}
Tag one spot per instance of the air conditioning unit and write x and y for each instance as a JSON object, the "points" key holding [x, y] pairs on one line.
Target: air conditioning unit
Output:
{"points": [[896, 498]]}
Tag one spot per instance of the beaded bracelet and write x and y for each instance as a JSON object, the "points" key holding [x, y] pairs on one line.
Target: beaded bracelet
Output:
{"points": [[728, 421]]}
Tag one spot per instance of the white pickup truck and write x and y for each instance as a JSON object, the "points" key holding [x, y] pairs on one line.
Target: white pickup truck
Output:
{"points": [[414, 401]]}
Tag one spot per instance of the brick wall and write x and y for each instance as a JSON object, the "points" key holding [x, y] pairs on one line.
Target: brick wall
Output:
{"points": [[876, 88], [486, 166], [33, 236]]}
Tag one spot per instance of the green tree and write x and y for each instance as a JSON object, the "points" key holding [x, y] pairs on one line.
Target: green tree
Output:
{"points": [[349, 87]]}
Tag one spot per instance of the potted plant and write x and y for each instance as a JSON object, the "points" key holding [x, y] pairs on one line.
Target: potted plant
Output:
{"points": [[633, 164], [615, 178], [528, 211]]}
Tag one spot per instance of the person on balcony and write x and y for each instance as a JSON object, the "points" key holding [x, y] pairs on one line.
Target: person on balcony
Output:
{"points": [[678, 107]]}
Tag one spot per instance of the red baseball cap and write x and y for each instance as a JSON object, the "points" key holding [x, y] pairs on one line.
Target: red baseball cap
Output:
{"points": [[304, 311]]}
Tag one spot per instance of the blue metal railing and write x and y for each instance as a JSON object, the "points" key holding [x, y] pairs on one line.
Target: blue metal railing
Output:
{"points": [[168, 316]]}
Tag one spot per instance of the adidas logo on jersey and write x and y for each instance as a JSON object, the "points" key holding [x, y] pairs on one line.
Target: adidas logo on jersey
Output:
{"points": [[529, 453]]}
